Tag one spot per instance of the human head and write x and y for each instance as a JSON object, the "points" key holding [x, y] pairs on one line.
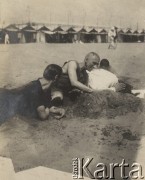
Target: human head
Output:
{"points": [[92, 61], [52, 72], [104, 64]]}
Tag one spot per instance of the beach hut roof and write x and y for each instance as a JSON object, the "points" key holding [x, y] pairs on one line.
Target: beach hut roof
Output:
{"points": [[136, 32], [103, 31], [71, 30], [93, 31], [121, 31], [35, 27], [29, 28], [43, 28], [83, 30], [59, 28], [12, 27], [128, 31]]}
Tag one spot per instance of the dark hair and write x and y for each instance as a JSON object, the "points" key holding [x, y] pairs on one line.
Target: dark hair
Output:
{"points": [[51, 71], [104, 63]]}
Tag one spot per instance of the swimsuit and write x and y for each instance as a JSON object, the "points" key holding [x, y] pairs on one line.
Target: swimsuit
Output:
{"points": [[63, 84], [23, 101]]}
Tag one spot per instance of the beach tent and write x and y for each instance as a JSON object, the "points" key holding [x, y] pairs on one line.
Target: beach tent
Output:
{"points": [[92, 36], [120, 34], [82, 35], [76, 35], [41, 34], [72, 35], [128, 35], [40, 37], [60, 35], [28, 34], [21, 37], [135, 36], [49, 36], [13, 33], [138, 36], [102, 36]]}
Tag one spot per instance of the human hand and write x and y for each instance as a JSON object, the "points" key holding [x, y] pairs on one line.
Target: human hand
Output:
{"points": [[59, 112]]}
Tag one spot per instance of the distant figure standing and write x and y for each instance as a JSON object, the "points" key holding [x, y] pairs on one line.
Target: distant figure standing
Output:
{"points": [[116, 35], [7, 39], [112, 36]]}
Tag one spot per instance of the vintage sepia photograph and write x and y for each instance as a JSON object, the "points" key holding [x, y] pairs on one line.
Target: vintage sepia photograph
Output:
{"points": [[72, 89]]}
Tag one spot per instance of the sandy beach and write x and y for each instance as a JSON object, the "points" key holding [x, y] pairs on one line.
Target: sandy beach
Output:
{"points": [[53, 143]]}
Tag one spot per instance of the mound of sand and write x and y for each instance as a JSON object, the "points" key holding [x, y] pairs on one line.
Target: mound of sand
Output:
{"points": [[104, 103]]}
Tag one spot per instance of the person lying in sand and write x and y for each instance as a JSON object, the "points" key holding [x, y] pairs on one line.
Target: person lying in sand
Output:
{"points": [[103, 78], [33, 99], [74, 76]]}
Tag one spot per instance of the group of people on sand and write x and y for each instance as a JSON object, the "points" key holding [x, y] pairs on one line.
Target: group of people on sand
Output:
{"points": [[41, 97]]}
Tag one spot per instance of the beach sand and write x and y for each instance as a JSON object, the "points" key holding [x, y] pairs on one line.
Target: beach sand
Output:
{"points": [[107, 136]]}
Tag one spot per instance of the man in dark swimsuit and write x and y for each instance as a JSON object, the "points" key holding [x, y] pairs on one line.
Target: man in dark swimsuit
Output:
{"points": [[73, 78]]}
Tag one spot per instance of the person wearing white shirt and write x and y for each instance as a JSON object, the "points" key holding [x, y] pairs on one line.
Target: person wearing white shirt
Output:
{"points": [[101, 79], [104, 78]]}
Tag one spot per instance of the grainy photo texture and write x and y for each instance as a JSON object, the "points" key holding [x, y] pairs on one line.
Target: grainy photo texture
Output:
{"points": [[72, 89]]}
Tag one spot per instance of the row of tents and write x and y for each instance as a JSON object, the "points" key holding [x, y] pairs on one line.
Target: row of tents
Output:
{"points": [[60, 34]]}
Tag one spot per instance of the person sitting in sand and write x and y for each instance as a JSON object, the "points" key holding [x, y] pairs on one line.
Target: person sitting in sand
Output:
{"points": [[33, 99], [74, 76]]}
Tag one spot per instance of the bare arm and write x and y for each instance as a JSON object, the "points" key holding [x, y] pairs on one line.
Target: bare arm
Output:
{"points": [[72, 73]]}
